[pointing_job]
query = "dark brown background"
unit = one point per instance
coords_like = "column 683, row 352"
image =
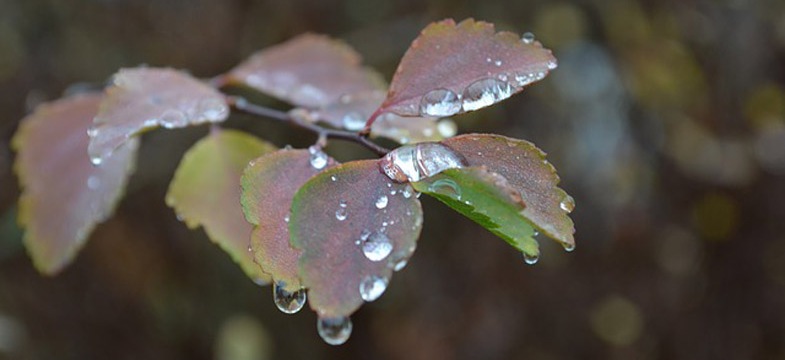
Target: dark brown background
column 665, row 119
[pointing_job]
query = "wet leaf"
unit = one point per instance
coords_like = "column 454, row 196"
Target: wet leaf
column 205, row 192
column 488, row 199
column 525, row 168
column 452, row 68
column 355, row 228
column 145, row 98
column 63, row 195
column 309, row 70
column 350, row 112
column 268, row 186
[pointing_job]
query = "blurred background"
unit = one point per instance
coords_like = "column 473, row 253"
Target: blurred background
column 665, row 119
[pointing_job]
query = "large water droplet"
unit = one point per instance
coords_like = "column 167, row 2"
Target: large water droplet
column 531, row 259
column 376, row 245
column 527, row 38
column 288, row 302
column 334, row 331
column 381, row 202
column 353, row 121
column 440, row 102
column 318, row 157
column 415, row 162
column 372, row 287
column 446, row 187
column 485, row 92
column 567, row 204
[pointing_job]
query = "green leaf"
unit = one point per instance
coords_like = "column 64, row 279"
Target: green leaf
column 353, row 225
column 488, row 199
column 268, row 186
column 206, row 191
column 63, row 195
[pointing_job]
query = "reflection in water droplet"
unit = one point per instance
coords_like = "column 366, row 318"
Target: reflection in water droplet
column 485, row 92
column 447, row 128
column 353, row 121
column 440, row 102
column 335, row 331
column 531, row 259
column 381, row 202
column 318, row 157
column 567, row 204
column 288, row 302
column 446, row 187
column 372, row 287
column 415, row 162
column 376, row 246
column 527, row 38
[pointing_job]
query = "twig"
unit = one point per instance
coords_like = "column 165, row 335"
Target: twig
column 242, row 105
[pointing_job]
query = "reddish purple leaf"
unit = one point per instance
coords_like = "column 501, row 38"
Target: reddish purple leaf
column 452, row 68
column 525, row 168
column 64, row 196
column 309, row 70
column 208, row 178
column 354, row 226
column 268, row 186
column 145, row 98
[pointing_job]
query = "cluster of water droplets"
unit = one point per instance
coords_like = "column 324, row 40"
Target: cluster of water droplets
column 334, row 330
column 411, row 163
column 288, row 302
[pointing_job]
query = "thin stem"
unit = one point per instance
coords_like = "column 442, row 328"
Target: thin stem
column 242, row 105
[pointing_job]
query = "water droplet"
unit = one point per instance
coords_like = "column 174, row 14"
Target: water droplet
column 400, row 265
column 407, row 191
column 353, row 121
column 552, row 64
column 335, row 331
column 497, row 63
column 568, row 247
column 250, row 249
column 567, row 204
column 440, row 102
column 411, row 163
column 447, row 128
column 318, row 157
column 341, row 214
column 96, row 160
column 171, row 118
column 527, row 38
column 288, row 302
column 333, row 178
column 213, row 109
column 381, row 202
column 286, row 218
column 92, row 131
column 372, row 287
column 446, row 187
column 93, row 182
column 485, row 92
column 376, row 246
column 531, row 259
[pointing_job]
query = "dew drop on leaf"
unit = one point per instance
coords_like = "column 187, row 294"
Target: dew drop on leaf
column 407, row 191
column 400, row 265
column 446, row 187
column 381, row 202
column 527, row 38
column 531, row 259
column 353, row 121
column 372, row 287
column 485, row 92
column 340, row 214
column 440, row 102
column 376, row 245
column 335, row 331
column 318, row 157
column 567, row 204
column 413, row 163
column 288, row 302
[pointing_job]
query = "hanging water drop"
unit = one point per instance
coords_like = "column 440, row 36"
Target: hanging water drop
column 568, row 247
column 567, row 204
column 412, row 163
column 288, row 302
column 318, row 157
column 381, row 202
column 376, row 246
column 531, row 259
column 334, row 331
column 527, row 38
column 485, row 92
column 372, row 287
column 353, row 121
column 439, row 103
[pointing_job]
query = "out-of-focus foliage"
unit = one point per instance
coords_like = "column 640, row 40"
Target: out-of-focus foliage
column 653, row 277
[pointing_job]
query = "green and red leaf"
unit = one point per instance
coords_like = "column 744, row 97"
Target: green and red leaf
column 205, row 192
column 63, row 195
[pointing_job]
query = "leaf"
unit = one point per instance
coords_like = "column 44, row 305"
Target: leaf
column 525, row 168
column 63, row 195
column 309, row 71
column 145, row 98
column 488, row 199
column 205, row 192
column 351, row 111
column 268, row 186
column 355, row 228
column 452, row 68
